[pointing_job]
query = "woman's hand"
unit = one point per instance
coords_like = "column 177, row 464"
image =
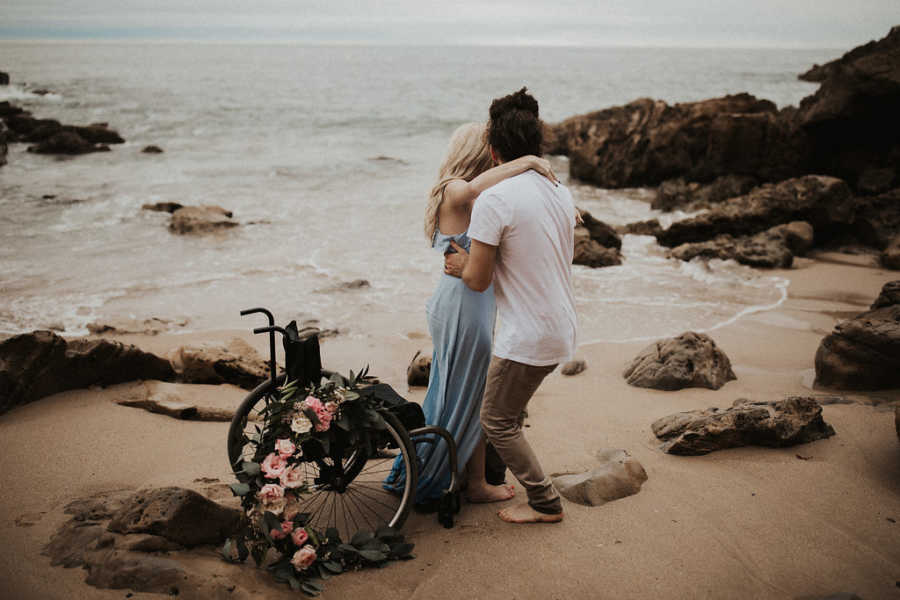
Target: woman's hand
column 542, row 167
column 455, row 262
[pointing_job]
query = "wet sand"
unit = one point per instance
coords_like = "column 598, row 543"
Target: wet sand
column 741, row 523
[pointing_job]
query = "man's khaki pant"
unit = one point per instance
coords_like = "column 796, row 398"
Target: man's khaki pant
column 510, row 385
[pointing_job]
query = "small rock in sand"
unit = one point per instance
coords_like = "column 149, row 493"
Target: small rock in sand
column 418, row 370
column 201, row 219
column 236, row 362
column 689, row 360
column 618, row 475
column 152, row 150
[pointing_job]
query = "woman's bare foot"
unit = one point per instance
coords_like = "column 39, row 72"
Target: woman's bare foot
column 484, row 492
column 523, row 513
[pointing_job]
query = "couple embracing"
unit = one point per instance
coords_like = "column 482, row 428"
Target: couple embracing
column 506, row 228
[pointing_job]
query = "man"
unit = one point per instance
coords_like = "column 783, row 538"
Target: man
column 522, row 232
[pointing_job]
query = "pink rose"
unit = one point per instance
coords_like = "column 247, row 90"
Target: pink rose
column 276, row 534
column 292, row 477
column 270, row 493
column 287, row 527
column 285, row 448
column 273, row 465
column 314, row 403
column 331, row 407
column 304, row 558
column 324, row 420
column 299, row 536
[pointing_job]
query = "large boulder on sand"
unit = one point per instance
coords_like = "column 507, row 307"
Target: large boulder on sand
column 824, row 202
column 863, row 353
column 794, row 420
column 236, row 362
column 201, row 219
column 773, row 248
column 177, row 514
column 617, row 476
column 647, row 142
column 689, row 360
column 38, row 364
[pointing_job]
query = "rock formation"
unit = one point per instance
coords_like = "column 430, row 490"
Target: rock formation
column 419, row 370
column 201, row 219
column 679, row 194
column 618, row 475
column 236, row 362
column 773, row 248
column 863, row 353
column 39, row 364
column 825, row 203
column 794, row 420
column 689, row 360
column 596, row 243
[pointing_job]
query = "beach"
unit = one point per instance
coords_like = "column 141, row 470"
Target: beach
column 797, row 522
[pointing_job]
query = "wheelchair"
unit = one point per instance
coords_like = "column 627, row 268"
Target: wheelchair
column 346, row 490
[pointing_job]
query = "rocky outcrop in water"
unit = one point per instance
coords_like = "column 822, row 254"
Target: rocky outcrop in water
column 151, row 326
column 596, row 243
column 679, row 194
column 151, row 149
column 863, row 353
column 794, row 420
column 38, row 364
column 689, row 360
column 201, row 219
column 825, row 203
column 618, row 475
column 774, row 248
column 49, row 136
column 4, row 78
column 236, row 362
column 648, row 141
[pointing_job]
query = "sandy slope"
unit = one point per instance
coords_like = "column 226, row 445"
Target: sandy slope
column 743, row 523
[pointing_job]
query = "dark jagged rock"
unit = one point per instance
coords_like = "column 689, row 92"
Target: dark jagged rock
column 863, row 353
column 689, row 360
column 824, row 202
column 236, row 362
column 168, row 207
column 617, row 476
column 4, row 78
column 678, row 194
column 876, row 181
column 890, row 257
column 38, row 364
column 851, row 121
column 177, row 514
column 97, row 133
column 877, row 219
column 201, row 219
column 794, row 420
column 600, row 232
column 774, row 248
column 67, row 142
column 651, row 227
column 647, row 142
column 596, row 243
column 152, row 150
column 890, row 295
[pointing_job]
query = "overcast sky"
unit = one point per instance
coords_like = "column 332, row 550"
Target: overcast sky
column 780, row 23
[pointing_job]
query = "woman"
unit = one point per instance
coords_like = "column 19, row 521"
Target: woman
column 460, row 321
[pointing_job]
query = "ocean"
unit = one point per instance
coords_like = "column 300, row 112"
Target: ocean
column 325, row 154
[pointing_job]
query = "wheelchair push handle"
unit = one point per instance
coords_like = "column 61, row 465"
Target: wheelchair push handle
column 271, row 329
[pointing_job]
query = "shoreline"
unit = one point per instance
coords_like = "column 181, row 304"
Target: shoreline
column 741, row 523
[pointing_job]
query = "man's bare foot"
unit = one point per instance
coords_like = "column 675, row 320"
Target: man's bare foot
column 523, row 513
column 484, row 493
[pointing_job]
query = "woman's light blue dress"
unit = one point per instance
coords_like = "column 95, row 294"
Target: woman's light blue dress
column 461, row 323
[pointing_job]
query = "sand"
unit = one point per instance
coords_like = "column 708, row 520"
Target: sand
column 741, row 523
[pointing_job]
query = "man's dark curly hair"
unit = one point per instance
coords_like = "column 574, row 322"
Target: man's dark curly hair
column 514, row 129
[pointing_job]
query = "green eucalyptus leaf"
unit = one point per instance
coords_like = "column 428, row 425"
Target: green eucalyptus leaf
column 361, row 537
column 240, row 489
column 251, row 468
column 373, row 555
column 332, row 566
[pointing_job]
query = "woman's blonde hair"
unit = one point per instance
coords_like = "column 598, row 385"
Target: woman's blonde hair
column 468, row 156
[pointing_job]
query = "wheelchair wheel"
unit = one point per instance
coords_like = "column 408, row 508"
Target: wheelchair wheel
column 346, row 493
column 246, row 417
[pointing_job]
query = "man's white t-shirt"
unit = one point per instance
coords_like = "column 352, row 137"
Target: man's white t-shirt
column 532, row 222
